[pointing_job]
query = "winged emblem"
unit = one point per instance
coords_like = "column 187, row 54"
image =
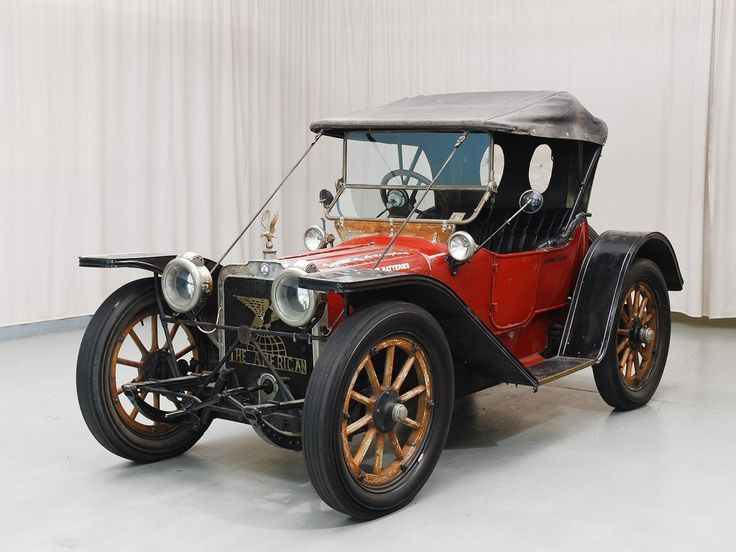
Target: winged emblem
column 269, row 226
column 260, row 307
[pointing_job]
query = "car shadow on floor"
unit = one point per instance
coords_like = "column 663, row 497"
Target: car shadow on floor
column 489, row 417
column 233, row 465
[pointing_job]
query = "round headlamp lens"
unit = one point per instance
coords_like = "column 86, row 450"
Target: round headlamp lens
column 294, row 305
column 461, row 246
column 314, row 238
column 186, row 282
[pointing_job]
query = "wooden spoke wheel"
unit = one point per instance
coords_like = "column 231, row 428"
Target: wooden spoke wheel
column 140, row 354
column 636, row 335
column 632, row 367
column 124, row 343
column 383, row 431
column 377, row 409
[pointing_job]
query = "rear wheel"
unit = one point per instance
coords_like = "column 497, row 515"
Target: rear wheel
column 377, row 409
column 629, row 374
column 125, row 343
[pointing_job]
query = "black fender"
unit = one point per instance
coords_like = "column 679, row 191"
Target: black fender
column 147, row 261
column 480, row 359
column 153, row 262
column 594, row 304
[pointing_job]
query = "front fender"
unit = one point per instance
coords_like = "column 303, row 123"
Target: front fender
column 153, row 262
column 480, row 359
column 593, row 310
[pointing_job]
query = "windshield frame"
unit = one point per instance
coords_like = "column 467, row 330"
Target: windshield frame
column 487, row 189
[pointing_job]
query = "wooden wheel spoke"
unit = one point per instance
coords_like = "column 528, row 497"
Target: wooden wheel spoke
column 399, row 381
column 362, row 399
column 395, row 445
column 157, row 401
column 411, row 423
column 418, row 390
column 355, row 426
column 388, row 368
column 625, row 357
column 364, row 446
column 643, row 306
column 622, row 331
column 138, row 342
column 127, row 362
column 621, row 345
column 184, row 351
column 646, row 318
column 372, row 377
column 378, row 458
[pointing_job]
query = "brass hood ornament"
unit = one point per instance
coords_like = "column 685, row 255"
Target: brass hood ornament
column 269, row 226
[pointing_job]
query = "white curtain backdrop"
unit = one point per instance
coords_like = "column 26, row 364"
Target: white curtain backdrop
column 161, row 125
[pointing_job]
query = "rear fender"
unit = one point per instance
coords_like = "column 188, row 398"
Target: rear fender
column 594, row 306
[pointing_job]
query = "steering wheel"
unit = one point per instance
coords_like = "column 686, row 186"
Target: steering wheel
column 405, row 206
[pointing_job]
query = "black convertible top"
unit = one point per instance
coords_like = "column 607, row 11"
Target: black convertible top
column 536, row 113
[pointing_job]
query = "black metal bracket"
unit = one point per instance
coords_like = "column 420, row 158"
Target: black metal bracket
column 454, row 265
column 171, row 358
column 220, row 401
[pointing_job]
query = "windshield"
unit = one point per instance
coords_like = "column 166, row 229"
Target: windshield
column 386, row 174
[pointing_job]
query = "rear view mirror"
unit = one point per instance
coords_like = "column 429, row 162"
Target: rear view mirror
column 325, row 198
column 531, row 201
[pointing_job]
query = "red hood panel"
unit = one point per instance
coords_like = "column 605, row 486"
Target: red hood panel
column 404, row 256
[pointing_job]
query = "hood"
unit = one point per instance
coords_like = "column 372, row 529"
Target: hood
column 406, row 255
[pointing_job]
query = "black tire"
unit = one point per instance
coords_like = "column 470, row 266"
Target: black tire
column 619, row 389
column 337, row 373
column 100, row 405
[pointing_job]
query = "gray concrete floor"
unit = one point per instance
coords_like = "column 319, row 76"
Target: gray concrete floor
column 556, row 470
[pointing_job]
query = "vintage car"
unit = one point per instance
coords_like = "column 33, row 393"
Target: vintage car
column 465, row 260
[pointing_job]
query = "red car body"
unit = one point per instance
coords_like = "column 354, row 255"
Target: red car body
column 518, row 296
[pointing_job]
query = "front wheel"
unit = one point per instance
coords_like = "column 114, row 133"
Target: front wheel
column 125, row 343
column 633, row 365
column 377, row 409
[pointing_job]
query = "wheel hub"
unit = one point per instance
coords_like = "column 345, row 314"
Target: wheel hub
column 387, row 409
column 639, row 334
column 156, row 366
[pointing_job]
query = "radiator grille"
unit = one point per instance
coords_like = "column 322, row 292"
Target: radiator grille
column 247, row 300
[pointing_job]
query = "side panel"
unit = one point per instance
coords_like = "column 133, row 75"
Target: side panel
column 514, row 289
column 595, row 301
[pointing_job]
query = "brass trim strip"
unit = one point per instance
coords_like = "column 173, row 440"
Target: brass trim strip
column 588, row 363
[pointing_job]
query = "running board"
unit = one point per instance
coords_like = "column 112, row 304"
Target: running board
column 558, row 366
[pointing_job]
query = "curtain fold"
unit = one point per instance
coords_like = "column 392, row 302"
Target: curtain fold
column 719, row 267
column 138, row 125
